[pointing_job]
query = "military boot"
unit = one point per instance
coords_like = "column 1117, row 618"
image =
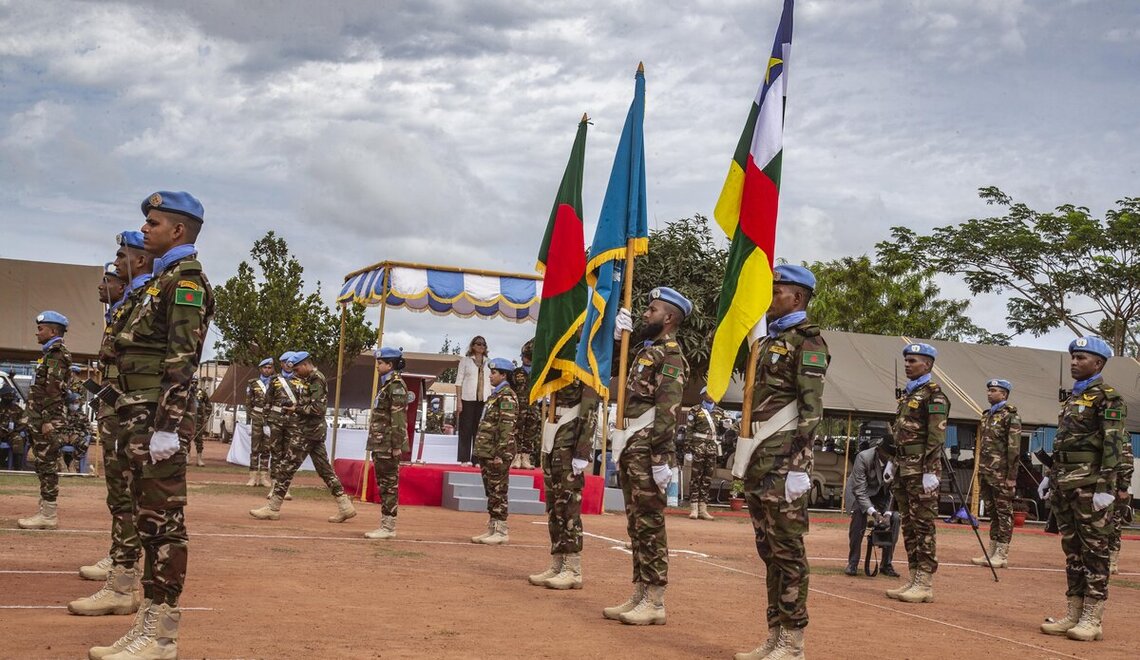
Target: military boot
column 158, row 637
column 482, row 537
column 254, row 479
column 526, row 463
column 265, row 480
column 517, row 462
column 119, row 595
column 570, row 577
column 1088, row 628
column 45, row 518
column 894, row 593
column 1113, row 562
column 271, row 511
column 650, row 611
column 201, row 463
column 992, row 552
column 1001, row 560
column 499, row 535
column 288, row 494
column 694, row 511
column 100, row 652
column 344, row 510
column 1072, row 618
column 539, row 579
column 617, row 610
column 97, row 571
column 922, row 591
column 703, row 512
column 387, row 529
column 762, row 651
column 790, row 645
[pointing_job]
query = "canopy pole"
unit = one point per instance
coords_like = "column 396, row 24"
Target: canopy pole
column 846, row 449
column 623, row 358
column 600, row 467
column 423, row 421
column 339, row 378
column 975, row 491
column 375, row 382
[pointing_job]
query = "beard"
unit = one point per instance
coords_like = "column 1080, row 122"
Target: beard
column 648, row 331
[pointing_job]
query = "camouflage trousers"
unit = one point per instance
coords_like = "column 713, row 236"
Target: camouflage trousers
column 18, row 451
column 126, row 548
column 999, row 505
column 280, row 439
column 700, row 475
column 780, row 527
column 1118, row 512
column 645, row 518
column 158, row 491
column 1085, row 535
column 563, row 502
column 258, row 446
column 496, row 483
column 307, row 445
column 46, row 448
column 199, row 440
column 387, row 481
column 918, row 511
column 528, row 431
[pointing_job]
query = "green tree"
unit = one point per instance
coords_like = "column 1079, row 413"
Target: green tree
column 265, row 312
column 1064, row 268
column 449, row 348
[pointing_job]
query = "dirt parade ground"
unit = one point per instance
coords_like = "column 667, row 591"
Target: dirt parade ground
column 303, row 588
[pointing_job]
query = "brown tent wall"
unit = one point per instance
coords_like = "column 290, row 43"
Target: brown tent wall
column 30, row 287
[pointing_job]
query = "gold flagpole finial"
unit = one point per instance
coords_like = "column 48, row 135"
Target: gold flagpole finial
column 641, row 67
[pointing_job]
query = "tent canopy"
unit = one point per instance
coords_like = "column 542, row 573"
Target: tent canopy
column 31, row 287
column 444, row 290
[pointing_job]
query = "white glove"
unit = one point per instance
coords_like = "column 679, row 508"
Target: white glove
column 796, row 484
column 1101, row 501
column 163, row 445
column 871, row 511
column 1043, row 488
column 889, row 471
column 578, row 465
column 929, row 483
column 662, row 474
column 624, row 322
column 265, row 430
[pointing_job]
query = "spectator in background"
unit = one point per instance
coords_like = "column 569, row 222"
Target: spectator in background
column 474, row 383
column 868, row 497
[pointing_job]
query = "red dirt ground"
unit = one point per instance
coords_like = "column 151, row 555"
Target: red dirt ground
column 303, row 588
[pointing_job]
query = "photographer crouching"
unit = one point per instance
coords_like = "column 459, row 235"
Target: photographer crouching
column 868, row 497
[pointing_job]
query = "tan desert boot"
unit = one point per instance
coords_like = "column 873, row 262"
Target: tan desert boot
column 481, row 537
column 499, row 535
column 1088, row 629
column 650, row 611
column 790, row 645
column 158, row 638
column 97, row 571
column 254, row 477
column 703, row 512
column 570, row 577
column 1075, row 607
column 100, row 652
column 271, row 511
column 539, row 579
column 119, row 595
column 387, row 529
column 694, row 511
column 344, row 510
column 894, row 593
column 923, row 589
column 45, row 518
column 992, row 552
column 762, row 651
column 636, row 597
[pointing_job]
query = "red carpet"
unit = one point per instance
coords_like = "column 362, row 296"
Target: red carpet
column 422, row 484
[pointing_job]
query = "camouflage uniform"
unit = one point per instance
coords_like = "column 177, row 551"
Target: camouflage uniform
column 434, row 423
column 528, row 426
column 495, row 439
column 158, row 351
column 76, row 434
column 791, row 370
column 282, row 420
column 46, row 404
column 656, row 380
column 14, row 430
column 997, row 465
column 1123, row 482
column 1086, row 460
column 201, row 419
column 920, row 433
column 388, row 440
column 574, row 439
column 309, row 440
column 256, row 398
column 701, row 442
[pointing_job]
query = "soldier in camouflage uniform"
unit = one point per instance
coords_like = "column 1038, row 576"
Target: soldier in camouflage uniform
column 1082, row 486
column 567, row 447
column 645, row 449
column 528, row 427
column 705, row 422
column 14, row 428
column 47, row 415
column 76, row 434
column 257, row 404
column 920, row 433
column 1121, row 511
column 201, row 421
column 997, row 469
column 434, row 421
column 388, row 437
column 157, row 353
column 787, row 404
column 495, row 449
column 282, row 402
column 309, row 442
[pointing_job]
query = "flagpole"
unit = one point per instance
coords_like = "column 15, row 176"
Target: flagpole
column 375, row 380
column 339, row 377
column 749, row 385
column 623, row 358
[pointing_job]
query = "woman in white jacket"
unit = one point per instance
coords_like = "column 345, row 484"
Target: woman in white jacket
column 474, row 383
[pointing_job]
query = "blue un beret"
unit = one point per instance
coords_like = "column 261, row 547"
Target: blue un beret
column 673, row 297
column 182, row 203
column 387, row 353
column 921, row 349
column 501, row 364
column 52, row 317
column 266, row 362
column 1000, row 382
column 299, row 357
column 286, row 357
column 131, row 239
column 109, row 271
column 1090, row 344
column 793, row 274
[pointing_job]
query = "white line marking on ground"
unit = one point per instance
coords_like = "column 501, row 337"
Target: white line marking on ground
column 64, row 607
column 1051, row 652
column 42, row 572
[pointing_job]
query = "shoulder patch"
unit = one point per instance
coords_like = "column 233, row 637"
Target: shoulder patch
column 937, row 408
column 779, row 350
column 189, row 285
column 671, row 371
column 187, row 296
column 912, row 404
column 814, row 359
column 1114, row 414
column 152, row 291
column 670, row 344
column 507, row 404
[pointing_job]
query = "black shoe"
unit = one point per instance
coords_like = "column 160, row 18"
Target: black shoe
column 851, row 570
column 889, row 571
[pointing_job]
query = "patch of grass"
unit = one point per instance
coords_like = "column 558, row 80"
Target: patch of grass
column 285, row 551
column 826, row 570
column 392, row 553
column 1127, row 584
column 298, row 492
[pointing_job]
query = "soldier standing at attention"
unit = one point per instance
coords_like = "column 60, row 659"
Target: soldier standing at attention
column 645, row 450
column 434, row 423
column 997, row 469
column 14, row 428
column 47, row 415
column 495, row 449
column 1123, row 498
column 201, row 421
column 388, row 437
column 1082, row 486
column 256, row 401
column 920, row 435
column 158, row 352
column 528, row 428
column 309, row 442
column 701, row 442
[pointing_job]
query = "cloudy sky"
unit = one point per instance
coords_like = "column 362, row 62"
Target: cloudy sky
column 437, row 131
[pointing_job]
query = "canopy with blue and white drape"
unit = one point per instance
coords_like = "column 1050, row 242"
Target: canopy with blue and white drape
column 444, row 291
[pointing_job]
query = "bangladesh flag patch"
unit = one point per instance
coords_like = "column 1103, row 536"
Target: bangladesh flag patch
column 188, row 297
column 671, row 371
column 936, row 408
column 814, row 359
column 1113, row 414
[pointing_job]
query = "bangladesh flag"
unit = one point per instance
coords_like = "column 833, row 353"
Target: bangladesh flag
column 746, row 211
column 562, row 261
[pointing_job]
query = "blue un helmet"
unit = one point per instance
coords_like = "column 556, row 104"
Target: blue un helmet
column 1090, row 344
column 52, row 317
column 502, row 365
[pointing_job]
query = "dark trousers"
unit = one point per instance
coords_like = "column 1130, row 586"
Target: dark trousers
column 468, row 424
column 857, row 535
